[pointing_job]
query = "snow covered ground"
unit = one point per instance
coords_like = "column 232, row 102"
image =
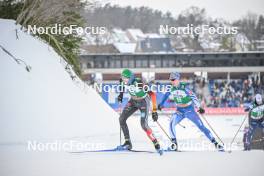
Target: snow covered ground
column 14, row 162
column 46, row 106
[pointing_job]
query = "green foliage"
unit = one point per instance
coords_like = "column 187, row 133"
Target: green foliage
column 67, row 45
column 49, row 13
column 9, row 9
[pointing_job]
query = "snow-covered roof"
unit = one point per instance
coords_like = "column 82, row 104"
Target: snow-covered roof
column 135, row 34
column 153, row 35
column 120, row 36
column 125, row 47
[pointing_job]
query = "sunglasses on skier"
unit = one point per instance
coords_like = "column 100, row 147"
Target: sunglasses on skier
column 125, row 79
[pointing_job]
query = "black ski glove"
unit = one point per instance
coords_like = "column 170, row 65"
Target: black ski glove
column 155, row 116
column 201, row 110
column 246, row 109
column 160, row 107
column 120, row 98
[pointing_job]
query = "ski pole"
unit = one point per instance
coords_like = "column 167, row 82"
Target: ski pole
column 181, row 125
column 120, row 140
column 163, row 130
column 212, row 129
column 178, row 123
column 237, row 132
column 120, row 135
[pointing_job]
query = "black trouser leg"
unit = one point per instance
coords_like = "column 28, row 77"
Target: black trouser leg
column 127, row 112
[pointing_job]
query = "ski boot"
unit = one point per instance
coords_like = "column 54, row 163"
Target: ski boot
column 247, row 147
column 218, row 146
column 126, row 146
column 174, row 145
column 157, row 146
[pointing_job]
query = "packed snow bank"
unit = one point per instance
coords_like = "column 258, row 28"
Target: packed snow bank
column 45, row 103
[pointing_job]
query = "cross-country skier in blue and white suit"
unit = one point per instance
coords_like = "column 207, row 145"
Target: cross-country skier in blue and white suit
column 185, row 101
column 256, row 119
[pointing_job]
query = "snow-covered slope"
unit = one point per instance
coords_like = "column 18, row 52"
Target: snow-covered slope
column 45, row 103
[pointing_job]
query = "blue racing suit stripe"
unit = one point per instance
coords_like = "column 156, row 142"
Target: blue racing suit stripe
column 176, row 118
column 193, row 97
column 165, row 97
